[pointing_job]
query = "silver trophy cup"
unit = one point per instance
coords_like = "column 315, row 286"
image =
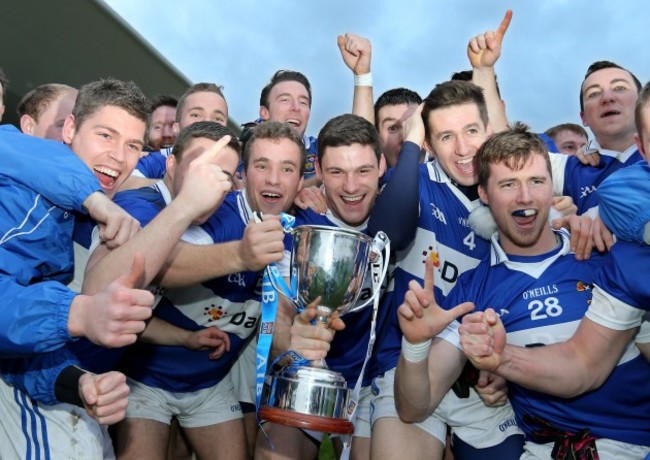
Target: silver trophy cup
column 330, row 263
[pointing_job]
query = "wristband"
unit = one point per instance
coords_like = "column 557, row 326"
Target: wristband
column 363, row 80
column 66, row 387
column 415, row 352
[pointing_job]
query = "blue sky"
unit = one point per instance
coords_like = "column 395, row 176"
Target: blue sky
column 416, row 44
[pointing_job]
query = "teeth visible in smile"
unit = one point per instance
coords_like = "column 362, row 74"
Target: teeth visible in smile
column 107, row 171
column 465, row 161
column 352, row 199
column 293, row 122
column 270, row 195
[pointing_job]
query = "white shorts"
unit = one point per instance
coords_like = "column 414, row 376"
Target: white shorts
column 210, row 406
column 383, row 405
column 243, row 373
column 607, row 448
column 475, row 423
column 32, row 430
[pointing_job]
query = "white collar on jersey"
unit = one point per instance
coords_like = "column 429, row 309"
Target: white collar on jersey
column 164, row 191
column 339, row 223
column 621, row 156
column 498, row 255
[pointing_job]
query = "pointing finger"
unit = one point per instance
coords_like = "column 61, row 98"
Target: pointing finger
column 505, row 23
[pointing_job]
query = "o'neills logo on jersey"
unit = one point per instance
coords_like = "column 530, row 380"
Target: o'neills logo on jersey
column 539, row 292
column 438, row 214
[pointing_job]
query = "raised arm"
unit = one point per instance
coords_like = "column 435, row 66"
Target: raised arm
column 483, row 52
column 203, row 190
column 356, row 52
column 396, row 210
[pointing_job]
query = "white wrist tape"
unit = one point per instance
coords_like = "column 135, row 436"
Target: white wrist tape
column 415, row 352
column 363, row 80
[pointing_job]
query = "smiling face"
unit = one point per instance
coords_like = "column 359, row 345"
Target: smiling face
column 161, row 133
column 609, row 96
column 109, row 142
column 519, row 201
column 273, row 178
column 350, row 175
column 288, row 102
column 455, row 134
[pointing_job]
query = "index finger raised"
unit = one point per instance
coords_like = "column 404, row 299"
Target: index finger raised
column 212, row 152
column 505, row 23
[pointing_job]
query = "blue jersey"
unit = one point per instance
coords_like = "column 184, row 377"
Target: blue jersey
column 443, row 236
column 624, row 275
column 153, row 166
column 311, row 145
column 231, row 303
column 541, row 300
column 580, row 181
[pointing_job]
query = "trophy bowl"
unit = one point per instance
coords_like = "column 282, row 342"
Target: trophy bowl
column 329, row 263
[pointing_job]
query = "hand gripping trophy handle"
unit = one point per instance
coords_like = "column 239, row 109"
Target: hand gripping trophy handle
column 329, row 263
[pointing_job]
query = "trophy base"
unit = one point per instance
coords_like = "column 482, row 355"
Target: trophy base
column 306, row 421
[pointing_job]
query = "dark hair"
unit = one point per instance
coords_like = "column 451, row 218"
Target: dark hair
column 163, row 100
column 4, row 81
column 197, row 88
column 36, row 101
column 101, row 93
column 572, row 127
column 203, row 129
column 466, row 75
column 279, row 77
column 514, row 147
column 396, row 96
column 348, row 129
column 641, row 104
column 451, row 93
column 274, row 130
column 600, row 65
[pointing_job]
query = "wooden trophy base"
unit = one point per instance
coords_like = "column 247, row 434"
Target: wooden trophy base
column 305, row 421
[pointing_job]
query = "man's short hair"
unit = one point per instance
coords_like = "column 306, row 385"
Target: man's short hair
column 101, row 93
column 600, row 65
column 163, row 100
column 345, row 130
column 513, row 147
column 203, row 129
column 279, row 77
column 4, row 81
column 396, row 96
column 572, row 127
column 641, row 104
column 36, row 101
column 202, row 87
column 467, row 75
column 274, row 131
column 451, row 93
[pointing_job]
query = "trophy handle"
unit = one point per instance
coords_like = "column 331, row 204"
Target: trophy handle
column 280, row 286
column 380, row 250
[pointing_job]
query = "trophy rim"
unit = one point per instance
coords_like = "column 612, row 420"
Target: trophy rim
column 329, row 229
column 306, row 421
